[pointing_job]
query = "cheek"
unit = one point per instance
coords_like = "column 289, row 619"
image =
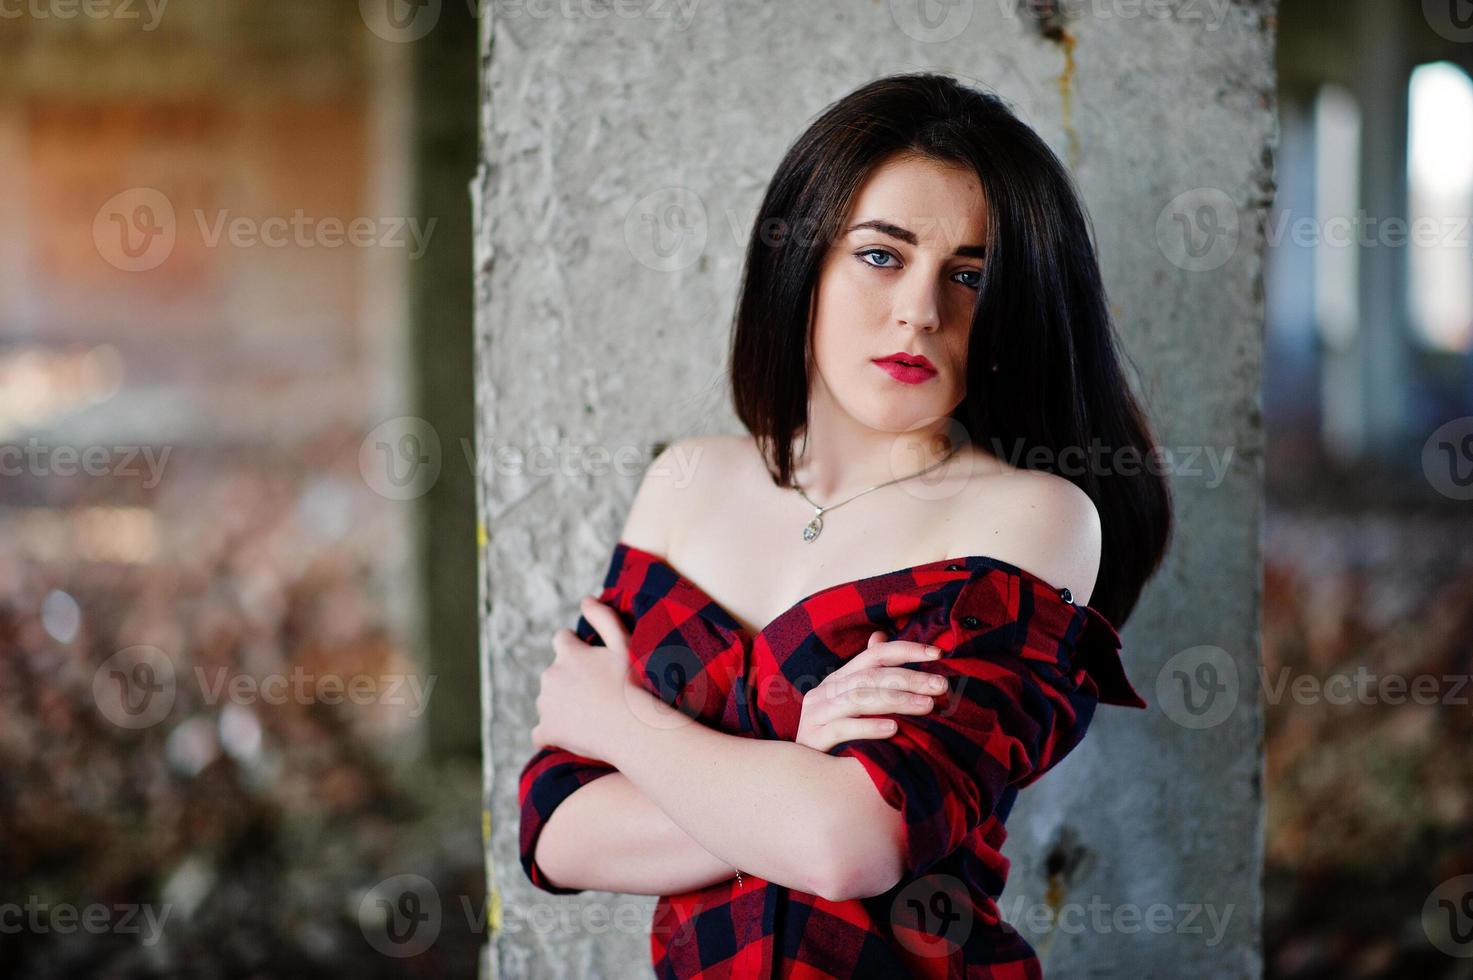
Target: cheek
column 844, row 311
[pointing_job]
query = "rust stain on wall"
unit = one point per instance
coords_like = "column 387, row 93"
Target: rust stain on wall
column 1053, row 26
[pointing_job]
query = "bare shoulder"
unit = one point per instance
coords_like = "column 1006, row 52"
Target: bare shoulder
column 673, row 484
column 1042, row 523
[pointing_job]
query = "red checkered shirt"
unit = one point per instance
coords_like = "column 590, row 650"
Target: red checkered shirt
column 1026, row 667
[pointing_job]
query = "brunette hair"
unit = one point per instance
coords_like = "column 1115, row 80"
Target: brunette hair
column 1041, row 310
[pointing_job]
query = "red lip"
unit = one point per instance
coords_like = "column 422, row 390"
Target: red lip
column 909, row 368
column 919, row 360
column 916, row 360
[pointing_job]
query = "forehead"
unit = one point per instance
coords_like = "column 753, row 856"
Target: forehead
column 941, row 202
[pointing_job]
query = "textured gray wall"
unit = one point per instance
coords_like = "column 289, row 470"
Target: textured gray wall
column 625, row 151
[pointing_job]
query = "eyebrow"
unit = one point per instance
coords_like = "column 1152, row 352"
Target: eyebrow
column 909, row 237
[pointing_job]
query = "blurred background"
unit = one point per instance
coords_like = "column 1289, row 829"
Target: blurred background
column 238, row 642
column 238, row 670
column 1368, row 539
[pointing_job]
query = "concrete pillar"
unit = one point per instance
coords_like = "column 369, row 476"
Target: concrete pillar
column 625, row 151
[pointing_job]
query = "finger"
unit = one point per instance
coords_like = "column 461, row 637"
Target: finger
column 872, row 701
column 851, row 728
column 904, row 679
column 565, row 640
column 603, row 619
column 898, row 679
column 893, row 652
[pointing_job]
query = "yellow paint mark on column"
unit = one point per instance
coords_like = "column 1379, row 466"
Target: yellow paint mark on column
column 481, row 536
column 493, row 905
column 1066, row 84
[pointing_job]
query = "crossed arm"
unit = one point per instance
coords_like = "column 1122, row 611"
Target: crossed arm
column 689, row 804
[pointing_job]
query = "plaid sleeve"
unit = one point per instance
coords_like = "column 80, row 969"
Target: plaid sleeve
column 553, row 774
column 1025, row 670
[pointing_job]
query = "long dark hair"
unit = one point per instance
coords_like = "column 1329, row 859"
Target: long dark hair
column 1041, row 311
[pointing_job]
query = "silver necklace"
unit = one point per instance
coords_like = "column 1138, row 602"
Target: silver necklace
column 813, row 528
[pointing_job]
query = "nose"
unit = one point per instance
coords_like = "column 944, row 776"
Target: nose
column 916, row 305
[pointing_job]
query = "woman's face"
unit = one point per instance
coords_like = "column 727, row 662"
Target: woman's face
column 901, row 278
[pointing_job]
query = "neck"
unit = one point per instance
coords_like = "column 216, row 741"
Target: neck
column 843, row 457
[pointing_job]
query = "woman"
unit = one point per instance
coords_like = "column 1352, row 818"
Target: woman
column 818, row 788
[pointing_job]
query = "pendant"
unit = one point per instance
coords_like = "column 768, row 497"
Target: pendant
column 812, row 528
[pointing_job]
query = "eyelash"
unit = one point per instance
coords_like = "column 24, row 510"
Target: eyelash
column 870, row 251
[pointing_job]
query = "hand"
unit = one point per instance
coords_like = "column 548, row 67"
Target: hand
column 587, row 690
column 871, row 683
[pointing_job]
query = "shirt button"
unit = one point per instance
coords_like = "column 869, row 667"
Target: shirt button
column 1066, row 595
column 971, row 622
column 953, row 567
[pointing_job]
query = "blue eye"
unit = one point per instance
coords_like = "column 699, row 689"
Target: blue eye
column 875, row 251
column 973, row 284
